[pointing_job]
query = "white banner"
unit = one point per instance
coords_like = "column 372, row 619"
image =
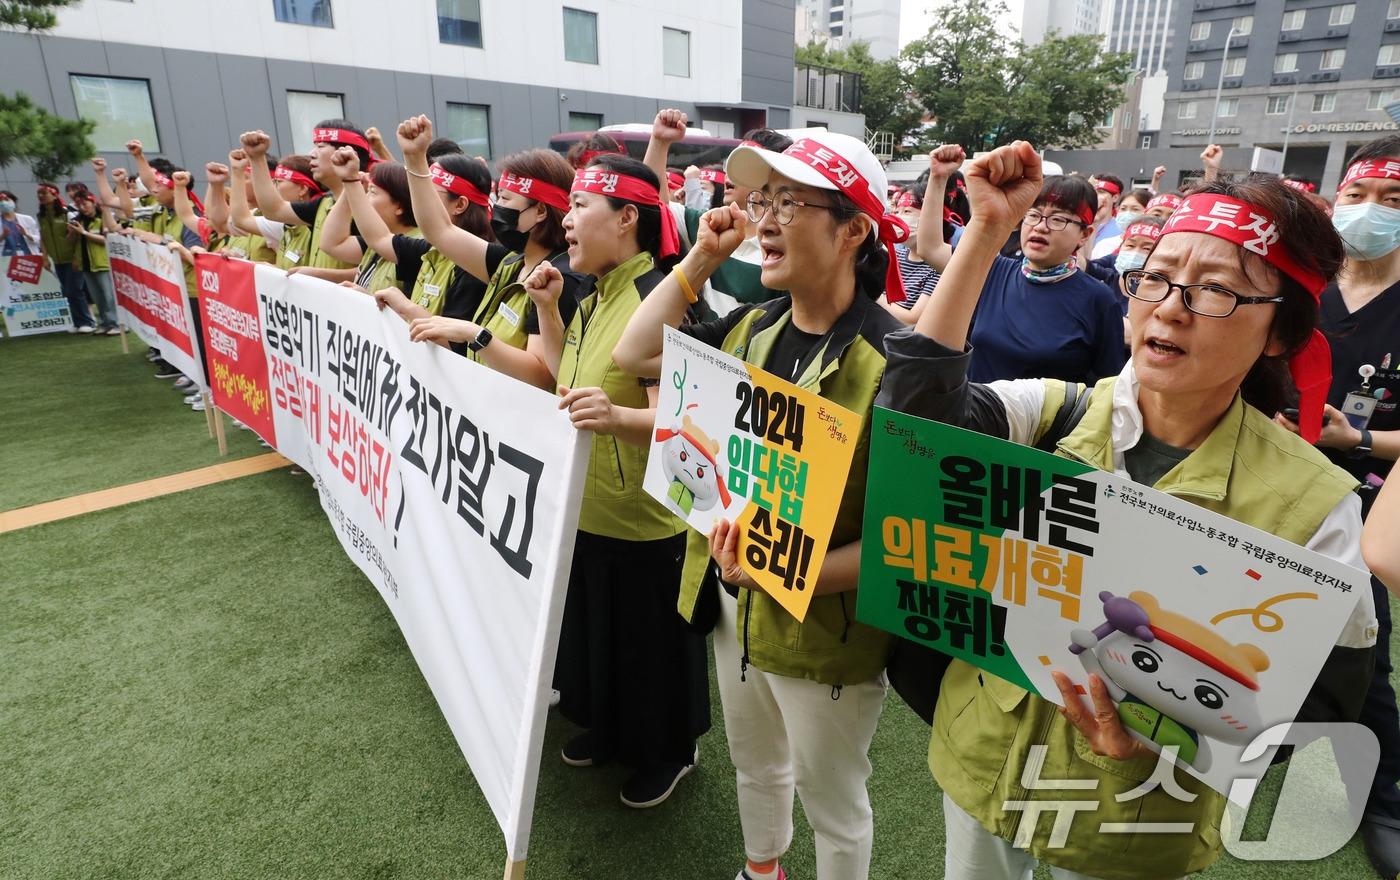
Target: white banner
column 33, row 298
column 149, row 284
column 456, row 490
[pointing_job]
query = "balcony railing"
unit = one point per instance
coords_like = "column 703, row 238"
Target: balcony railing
column 825, row 88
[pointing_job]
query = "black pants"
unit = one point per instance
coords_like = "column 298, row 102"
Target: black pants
column 628, row 668
column 1379, row 713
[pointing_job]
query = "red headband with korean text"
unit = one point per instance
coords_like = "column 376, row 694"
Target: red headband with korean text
column 1113, row 188
column 713, row 175
column 1146, row 230
column 1299, row 185
column 587, row 156
column 170, row 185
column 1383, row 169
column 1255, row 230
column 631, row 189
column 534, row 188
column 458, row 186
column 852, row 184
column 1166, row 200
column 345, row 138
column 282, row 172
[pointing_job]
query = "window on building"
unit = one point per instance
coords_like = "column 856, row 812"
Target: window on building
column 1393, row 10
column 1277, row 105
column 675, row 51
column 120, row 107
column 1195, row 69
column 316, row 13
column 1377, row 100
column 837, row 30
column 1293, row 21
column 1186, row 110
column 585, row 121
column 1146, row 142
column 305, row 109
column 1127, row 120
column 1286, row 63
column 1234, row 67
column 1390, row 54
column 1108, row 120
column 470, row 126
column 1324, row 103
column 459, row 22
column 1200, row 30
column 1243, row 26
column 837, row 15
column 1228, row 107
column 1340, row 15
column 580, row 36
column 1333, row 59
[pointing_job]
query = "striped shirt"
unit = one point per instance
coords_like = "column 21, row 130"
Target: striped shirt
column 919, row 277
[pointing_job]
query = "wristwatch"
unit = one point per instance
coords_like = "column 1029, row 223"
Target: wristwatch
column 483, row 339
column 1362, row 449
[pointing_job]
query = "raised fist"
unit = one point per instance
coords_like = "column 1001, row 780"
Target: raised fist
column 255, row 143
column 346, row 164
column 1003, row 184
column 415, row 134
column 943, row 161
column 119, row 175
column 544, row 285
column 217, row 172
column 669, row 126
column 133, row 147
column 99, row 164
column 180, row 179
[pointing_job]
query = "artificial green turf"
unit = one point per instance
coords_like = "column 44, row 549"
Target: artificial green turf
column 79, row 416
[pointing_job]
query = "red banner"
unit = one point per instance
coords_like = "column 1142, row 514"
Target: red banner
column 233, row 342
column 154, row 301
column 26, row 269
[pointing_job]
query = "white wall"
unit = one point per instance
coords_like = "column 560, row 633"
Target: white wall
column 852, row 124
column 402, row 35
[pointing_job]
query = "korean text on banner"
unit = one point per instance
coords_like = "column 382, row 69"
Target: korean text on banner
column 149, row 283
column 233, row 342
column 33, row 299
column 1206, row 631
column 737, row 443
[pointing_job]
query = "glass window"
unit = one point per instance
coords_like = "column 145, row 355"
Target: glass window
column 1333, row 59
column 459, row 22
column 122, row 110
column 1108, row 120
column 1243, row 26
column 470, row 126
column 1147, row 142
column 1390, row 54
column 1393, row 10
column 1186, row 110
column 1195, row 69
column 1377, row 100
column 1324, row 103
column 580, row 36
column 1286, row 63
column 1277, row 105
column 675, row 51
column 1234, row 67
column 1200, row 30
column 585, row 121
column 836, row 31
column 1228, row 106
column 316, row 13
column 1293, row 21
column 1340, row 15
column 305, row 109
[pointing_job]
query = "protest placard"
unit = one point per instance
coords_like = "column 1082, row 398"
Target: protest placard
column 33, row 298
column 149, row 284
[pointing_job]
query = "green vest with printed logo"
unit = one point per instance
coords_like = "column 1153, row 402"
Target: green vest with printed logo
column 984, row 727
column 829, row 646
column 317, row 258
column 434, row 276
column 506, row 305
column 384, row 272
column 167, row 222
column 292, row 250
column 53, row 232
column 97, row 260
column 614, row 503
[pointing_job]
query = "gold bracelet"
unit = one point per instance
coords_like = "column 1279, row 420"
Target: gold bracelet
column 686, row 289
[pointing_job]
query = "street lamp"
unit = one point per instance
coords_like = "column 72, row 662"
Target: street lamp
column 1220, row 83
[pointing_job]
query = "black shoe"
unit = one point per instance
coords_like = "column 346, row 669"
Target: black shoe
column 578, row 752
column 651, row 786
column 167, row 373
column 1382, row 843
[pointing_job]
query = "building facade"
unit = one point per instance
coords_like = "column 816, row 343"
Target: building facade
column 1068, row 17
column 1310, row 78
column 188, row 76
column 842, row 22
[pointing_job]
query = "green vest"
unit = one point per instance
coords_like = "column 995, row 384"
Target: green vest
column 829, row 646
column 1248, row 469
column 317, row 258
column 96, row 250
column 434, row 275
column 385, row 273
column 53, row 232
column 250, row 247
column 614, row 503
column 293, row 250
column 506, row 305
column 167, row 222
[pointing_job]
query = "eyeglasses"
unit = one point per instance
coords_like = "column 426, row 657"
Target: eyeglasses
column 1056, row 222
column 784, row 207
column 1203, row 299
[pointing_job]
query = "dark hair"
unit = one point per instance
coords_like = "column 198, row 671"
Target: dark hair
column 1142, row 195
column 57, row 207
column 769, row 139
column 1308, row 235
column 476, row 219
column 393, row 179
column 648, row 216
column 1069, row 193
column 717, row 197
column 1387, row 147
column 872, row 260
column 546, row 166
column 163, row 165
column 595, row 141
column 14, row 198
column 443, row 147
column 347, row 125
column 271, row 160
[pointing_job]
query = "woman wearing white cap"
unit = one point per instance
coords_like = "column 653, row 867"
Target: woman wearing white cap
column 801, row 699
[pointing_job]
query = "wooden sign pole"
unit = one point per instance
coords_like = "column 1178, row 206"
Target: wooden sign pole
column 208, row 411
column 515, row 870
column 126, row 349
column 219, row 430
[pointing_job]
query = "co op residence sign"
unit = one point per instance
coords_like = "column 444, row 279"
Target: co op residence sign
column 1340, row 127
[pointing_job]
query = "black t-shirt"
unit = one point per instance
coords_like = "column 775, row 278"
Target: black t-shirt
column 790, row 351
column 1370, row 335
column 464, row 291
column 576, row 287
column 306, row 211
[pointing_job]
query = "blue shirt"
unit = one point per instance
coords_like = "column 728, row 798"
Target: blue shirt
column 12, row 241
column 1071, row 329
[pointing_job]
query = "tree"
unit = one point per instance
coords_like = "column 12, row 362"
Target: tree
column 985, row 90
column 884, row 89
column 31, row 15
column 51, row 145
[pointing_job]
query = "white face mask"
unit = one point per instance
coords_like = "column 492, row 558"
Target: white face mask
column 7, row 207
column 1127, row 261
column 1369, row 231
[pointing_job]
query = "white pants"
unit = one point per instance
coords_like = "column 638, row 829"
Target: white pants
column 788, row 733
column 974, row 853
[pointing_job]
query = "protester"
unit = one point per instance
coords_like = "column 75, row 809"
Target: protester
column 919, row 277
column 801, row 699
column 1106, row 232
column 1139, row 240
column 1163, row 204
column 19, row 233
column 88, row 231
column 584, row 151
column 386, row 195
column 1131, row 207
column 293, row 181
column 60, row 253
column 1190, row 415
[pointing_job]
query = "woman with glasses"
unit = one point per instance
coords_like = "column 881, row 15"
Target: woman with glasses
column 1039, row 315
column 801, row 699
column 1224, row 310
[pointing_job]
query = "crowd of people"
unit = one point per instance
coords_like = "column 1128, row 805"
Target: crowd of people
column 1247, row 367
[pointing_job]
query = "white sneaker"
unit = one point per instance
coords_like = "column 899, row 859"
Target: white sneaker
column 88, row 329
column 184, row 382
column 553, row 697
column 197, row 406
column 191, row 398
column 114, row 331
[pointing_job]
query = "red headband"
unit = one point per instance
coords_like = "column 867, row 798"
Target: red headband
column 1252, row 228
column 1083, row 212
column 713, row 175
column 755, row 144
column 345, row 138
column 1113, row 188
column 282, row 172
column 533, row 188
column 906, row 200
column 1385, row 169
column 1168, row 200
column 458, row 186
column 587, row 156
column 1299, row 185
column 851, row 183
column 1144, row 229
column 631, row 189
column 170, row 185
column 675, row 179
column 58, row 194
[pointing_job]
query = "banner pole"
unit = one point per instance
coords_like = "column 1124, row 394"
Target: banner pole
column 208, row 411
column 219, row 430
column 126, row 349
column 515, row 870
